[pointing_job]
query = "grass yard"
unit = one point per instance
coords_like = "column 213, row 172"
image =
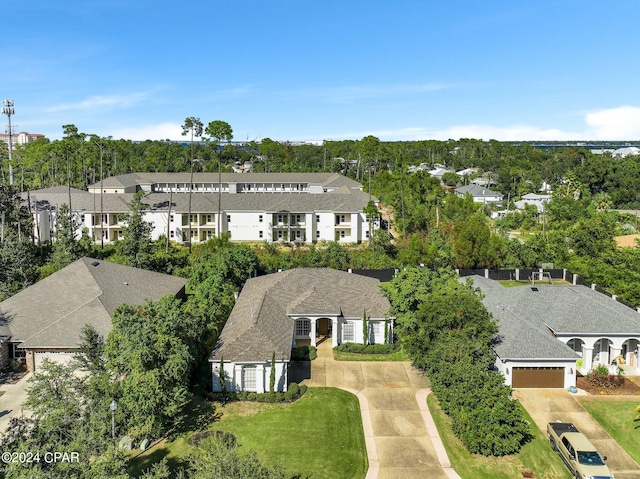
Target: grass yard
column 319, row 435
column 616, row 417
column 536, row 456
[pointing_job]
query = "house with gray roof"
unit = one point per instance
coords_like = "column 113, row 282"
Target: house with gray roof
column 544, row 330
column 480, row 194
column 272, row 207
column 45, row 320
column 298, row 307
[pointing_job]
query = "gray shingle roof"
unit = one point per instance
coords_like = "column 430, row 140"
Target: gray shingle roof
column 528, row 320
column 260, row 323
column 329, row 180
column 477, row 191
column 340, row 200
column 52, row 312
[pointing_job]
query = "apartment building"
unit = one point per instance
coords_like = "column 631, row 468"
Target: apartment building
column 272, row 207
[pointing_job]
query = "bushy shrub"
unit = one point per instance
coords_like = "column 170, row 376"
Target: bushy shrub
column 293, row 392
column 599, row 376
column 358, row 348
column 304, row 353
column 484, row 416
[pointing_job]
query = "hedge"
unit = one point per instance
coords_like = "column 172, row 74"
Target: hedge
column 358, row 348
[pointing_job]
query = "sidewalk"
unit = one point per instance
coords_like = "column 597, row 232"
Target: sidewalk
column 400, row 437
column 12, row 399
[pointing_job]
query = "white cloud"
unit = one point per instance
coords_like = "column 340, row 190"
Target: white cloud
column 97, row 102
column 160, row 131
column 622, row 123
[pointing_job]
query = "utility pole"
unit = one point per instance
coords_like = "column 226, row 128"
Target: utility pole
column 8, row 110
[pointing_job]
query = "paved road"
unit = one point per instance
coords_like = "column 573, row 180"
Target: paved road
column 11, row 401
column 550, row 405
column 401, row 440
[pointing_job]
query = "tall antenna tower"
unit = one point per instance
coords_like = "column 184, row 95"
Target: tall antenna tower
column 8, row 110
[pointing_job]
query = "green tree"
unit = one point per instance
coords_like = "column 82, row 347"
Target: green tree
column 148, row 351
column 135, row 245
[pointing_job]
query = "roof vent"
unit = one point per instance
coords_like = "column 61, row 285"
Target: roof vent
column 534, row 288
column 95, row 263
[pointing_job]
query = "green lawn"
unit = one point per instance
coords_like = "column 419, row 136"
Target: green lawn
column 616, row 417
column 536, row 456
column 319, row 435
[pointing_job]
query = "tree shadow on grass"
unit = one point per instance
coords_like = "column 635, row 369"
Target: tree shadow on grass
column 143, row 461
column 197, row 415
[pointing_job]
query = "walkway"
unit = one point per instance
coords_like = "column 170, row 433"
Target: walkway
column 401, row 439
column 12, row 399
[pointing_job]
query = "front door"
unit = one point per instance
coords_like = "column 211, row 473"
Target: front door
column 323, row 327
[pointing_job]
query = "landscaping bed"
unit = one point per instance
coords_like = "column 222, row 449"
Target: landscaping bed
column 628, row 388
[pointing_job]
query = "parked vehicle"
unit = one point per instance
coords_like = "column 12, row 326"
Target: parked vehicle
column 577, row 452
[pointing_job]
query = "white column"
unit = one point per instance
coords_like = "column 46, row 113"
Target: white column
column 335, row 332
column 236, row 380
column 313, row 331
column 260, row 378
column 615, row 352
column 587, row 358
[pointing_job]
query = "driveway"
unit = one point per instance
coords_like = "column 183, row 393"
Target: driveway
column 550, row 405
column 401, row 440
column 12, row 399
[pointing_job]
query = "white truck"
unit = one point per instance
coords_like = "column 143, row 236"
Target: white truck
column 577, row 452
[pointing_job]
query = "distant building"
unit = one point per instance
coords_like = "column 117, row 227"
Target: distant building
column 533, row 199
column 21, row 138
column 480, row 194
column 271, row 207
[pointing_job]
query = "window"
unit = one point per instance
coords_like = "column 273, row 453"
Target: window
column 209, row 235
column 367, row 234
column 260, row 234
column 343, row 234
column 170, row 219
column 280, row 219
column 172, row 234
column 298, row 218
column 249, row 378
column 280, row 234
column 298, row 234
column 348, row 333
column 317, row 218
column 259, row 218
column 303, row 327
column 228, row 218
column 192, row 218
column 317, row 234
column 209, row 218
column 340, row 219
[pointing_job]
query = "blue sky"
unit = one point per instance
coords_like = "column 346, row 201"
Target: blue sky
column 317, row 70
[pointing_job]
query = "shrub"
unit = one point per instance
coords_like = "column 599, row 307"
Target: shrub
column 368, row 349
column 304, row 353
column 599, row 376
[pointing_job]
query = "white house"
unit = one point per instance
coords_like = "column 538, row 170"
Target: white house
column 298, row 307
column 295, row 207
column 480, row 194
column 545, row 330
column 533, row 199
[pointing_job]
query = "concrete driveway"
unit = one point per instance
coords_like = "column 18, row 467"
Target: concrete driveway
column 12, row 399
column 401, row 440
column 550, row 405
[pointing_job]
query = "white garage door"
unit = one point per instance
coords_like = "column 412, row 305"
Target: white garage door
column 54, row 356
